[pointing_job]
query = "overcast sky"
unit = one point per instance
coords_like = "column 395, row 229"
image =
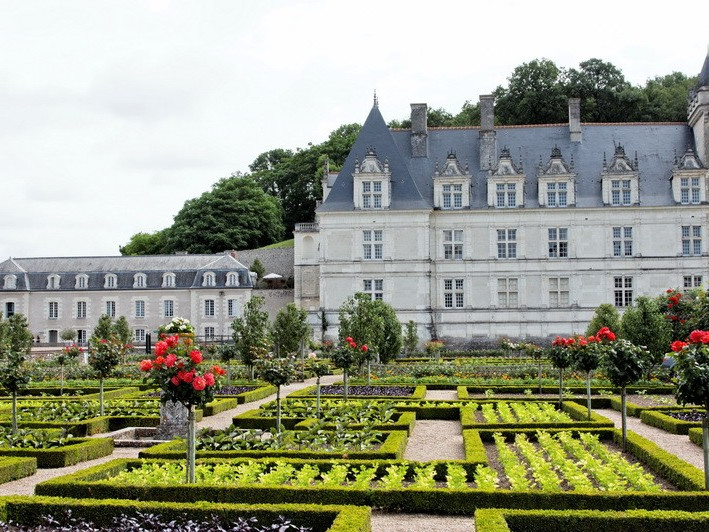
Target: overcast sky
column 112, row 114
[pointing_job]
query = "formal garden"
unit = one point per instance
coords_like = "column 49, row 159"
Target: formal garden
column 276, row 432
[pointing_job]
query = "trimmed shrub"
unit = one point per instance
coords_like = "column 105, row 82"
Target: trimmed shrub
column 79, row 450
column 14, row 467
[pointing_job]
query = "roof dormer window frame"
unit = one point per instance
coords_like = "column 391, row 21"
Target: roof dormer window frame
column 110, row 280
column 371, row 183
column 232, row 279
column 10, row 282
column 81, row 281
column 168, row 280
column 209, row 279
column 54, row 281
column 140, row 280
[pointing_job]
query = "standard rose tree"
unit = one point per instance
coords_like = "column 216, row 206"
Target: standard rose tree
column 176, row 369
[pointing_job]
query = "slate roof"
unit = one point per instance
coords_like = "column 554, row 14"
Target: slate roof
column 703, row 80
column 188, row 269
column 656, row 144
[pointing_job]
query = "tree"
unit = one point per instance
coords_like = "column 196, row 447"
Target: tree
column 289, row 330
column 586, row 357
column 250, row 332
column 277, row 372
column 665, row 98
column 359, row 320
column 534, row 95
column 606, row 315
column 387, row 339
column 235, row 214
column 146, row 244
column 104, row 355
column 624, row 363
column 15, row 345
column 227, row 353
column 411, row 337
column 68, row 335
column 644, row 324
column 103, row 328
column 559, row 354
column 122, row 330
column 692, row 369
column 258, row 268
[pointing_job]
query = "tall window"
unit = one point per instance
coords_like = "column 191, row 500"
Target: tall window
column 623, row 291
column 232, row 279
column 9, row 309
column 168, row 307
column 10, row 282
column 689, row 190
column 558, row 242
column 208, row 279
column 692, row 281
column 622, row 241
column 81, row 336
column 371, row 194
column 691, row 240
column 507, row 243
column 453, row 244
column 209, row 333
column 506, row 194
column 507, row 292
column 139, row 280
column 53, row 282
column 209, row 307
column 373, row 246
column 111, row 309
column 82, row 281
column 232, row 308
column 453, row 293
column 53, row 310
column 168, row 280
column 109, row 281
column 558, row 291
column 139, row 336
column 375, row 288
column 452, row 196
column 81, row 310
column 140, row 308
column 620, row 192
column 557, row 194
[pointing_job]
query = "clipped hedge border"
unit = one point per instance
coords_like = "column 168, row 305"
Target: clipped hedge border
column 418, row 394
column 219, row 405
column 331, row 518
column 504, row 520
column 579, row 389
column 695, row 436
column 634, row 410
column 80, row 450
column 14, row 467
column 660, row 420
column 475, row 452
column 391, row 449
column 254, row 419
column 578, row 413
column 254, row 395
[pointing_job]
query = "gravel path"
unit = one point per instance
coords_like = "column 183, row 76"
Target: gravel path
column 674, row 443
column 446, row 395
column 434, row 439
column 386, row 522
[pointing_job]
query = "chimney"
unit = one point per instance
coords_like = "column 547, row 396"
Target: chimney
column 487, row 133
column 575, row 119
column 325, row 179
column 231, row 253
column 419, row 130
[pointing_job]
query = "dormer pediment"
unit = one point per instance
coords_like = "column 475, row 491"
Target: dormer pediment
column 620, row 163
column 620, row 179
column 371, row 164
column 556, row 165
column 372, row 182
column 689, row 161
column 452, row 168
column 506, row 166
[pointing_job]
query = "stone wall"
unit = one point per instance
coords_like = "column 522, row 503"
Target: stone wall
column 274, row 300
column 278, row 260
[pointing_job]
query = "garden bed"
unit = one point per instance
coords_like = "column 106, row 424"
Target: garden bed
column 364, row 392
column 443, row 499
column 75, row 451
column 529, row 414
column 672, row 421
column 342, row 518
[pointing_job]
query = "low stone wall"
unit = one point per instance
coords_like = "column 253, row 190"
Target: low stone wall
column 274, row 300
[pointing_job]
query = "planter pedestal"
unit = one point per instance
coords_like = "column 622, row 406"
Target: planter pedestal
column 173, row 421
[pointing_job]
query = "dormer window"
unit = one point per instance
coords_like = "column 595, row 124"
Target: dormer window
column 10, row 282
column 372, row 182
column 53, row 282
column 505, row 184
column 110, row 280
column 168, row 280
column 209, row 279
column 232, row 279
column 81, row 281
column 689, row 180
column 451, row 184
column 620, row 180
column 556, row 181
column 139, row 280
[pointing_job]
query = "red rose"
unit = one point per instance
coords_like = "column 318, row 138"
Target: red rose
column 175, row 381
column 170, row 360
column 172, row 341
column 677, row 346
column 104, row 341
column 160, row 348
column 196, row 356
column 349, row 340
column 209, row 379
column 669, row 290
column 159, row 361
column 187, row 376
column 146, row 365
column 218, row 370
column 199, row 383
column 365, row 348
